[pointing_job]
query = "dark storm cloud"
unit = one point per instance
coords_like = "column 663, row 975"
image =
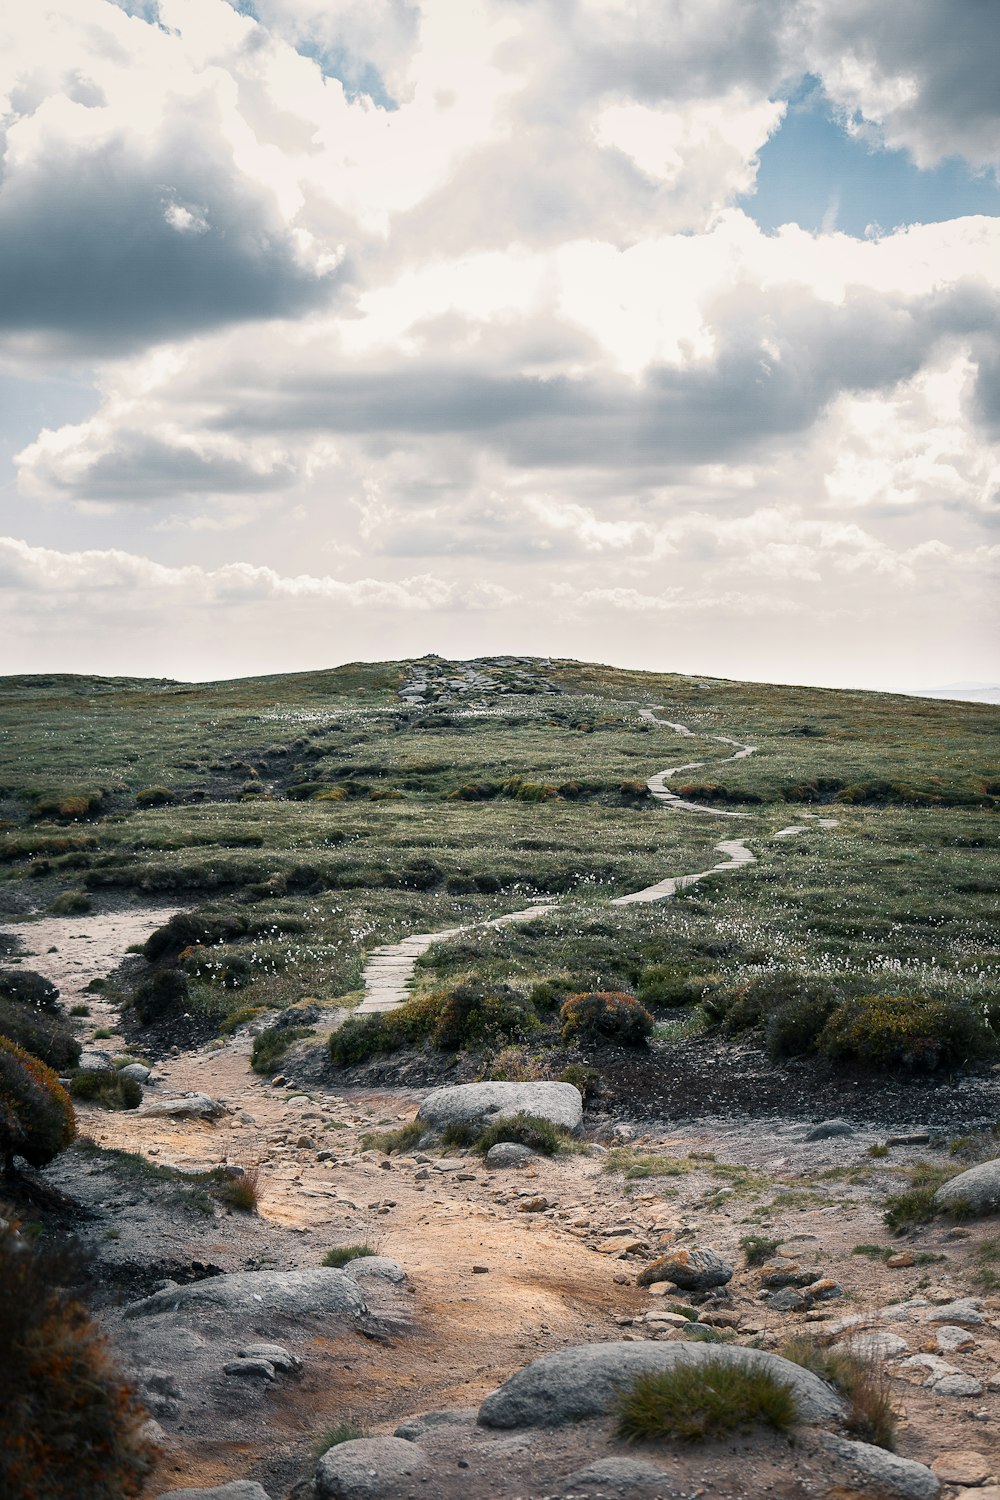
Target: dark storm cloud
column 107, row 248
column 139, row 467
column 949, row 55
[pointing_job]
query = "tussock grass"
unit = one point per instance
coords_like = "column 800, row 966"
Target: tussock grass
column 403, row 1139
column 695, row 1403
column 345, row 1253
column 862, row 1381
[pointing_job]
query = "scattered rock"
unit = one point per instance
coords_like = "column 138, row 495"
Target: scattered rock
column 240, row 1489
column 692, row 1270
column 975, row 1192
column 898, row 1262
column 877, row 1345
column 95, row 1062
column 481, row 1103
column 509, row 1154
column 883, row 1471
column 950, row 1339
column 963, row 1467
column 942, row 1378
column 574, row 1384
column 189, row 1107
column 617, row 1476
column 365, row 1468
column 790, row 1300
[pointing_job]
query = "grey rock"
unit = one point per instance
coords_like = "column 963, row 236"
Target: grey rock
column 962, row 1310
column 582, row 1382
column 95, row 1061
column 138, row 1071
column 276, row 1355
column 188, row 1107
column 956, row 1385
column 365, row 1468
column 415, row 1427
column 253, row 1369
column 883, row 1472
column 240, row 1489
column 692, row 1270
column 790, row 1300
column 878, row 1344
column 482, row 1103
column 509, row 1154
column 622, row 1476
column 975, row 1192
column 827, row 1129
column 382, row 1267
column 318, row 1289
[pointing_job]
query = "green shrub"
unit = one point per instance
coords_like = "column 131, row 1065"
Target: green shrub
column 270, row 1046
column 28, row 988
column 185, row 929
column 758, row 1248
column 693, row 1403
column 360, row 1038
column 345, row 1253
column 332, row 1437
column 526, row 1130
column 916, row 1033
column 163, row 992
column 670, row 985
column 793, row 1029
column 66, row 806
column 610, row 1015
column 154, row 796
column 916, row 1205
column 474, row 1015
column 404, row 1139
column 36, row 1115
column 106, row 1088
column 70, row 1427
column 40, row 1034
column 70, row 903
column 549, row 994
column 751, row 1004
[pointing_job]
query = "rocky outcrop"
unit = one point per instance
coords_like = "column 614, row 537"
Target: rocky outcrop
column 479, row 1104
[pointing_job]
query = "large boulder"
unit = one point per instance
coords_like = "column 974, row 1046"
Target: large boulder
column 575, row 1384
column 365, row 1468
column 317, row 1290
column 479, row 1104
column 380, row 1267
column 975, row 1192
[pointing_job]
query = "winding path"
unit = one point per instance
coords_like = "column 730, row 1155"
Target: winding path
column 389, row 971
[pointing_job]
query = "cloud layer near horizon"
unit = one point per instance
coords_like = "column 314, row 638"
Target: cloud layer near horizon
column 451, row 308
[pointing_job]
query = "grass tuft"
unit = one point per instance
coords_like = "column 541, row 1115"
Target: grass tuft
column 696, row 1402
column 344, row 1253
column 862, row 1381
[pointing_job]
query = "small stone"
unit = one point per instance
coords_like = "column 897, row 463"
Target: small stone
column 957, row 1385
column 621, row 1244
column 278, row 1081
column 480, row 1270
column 535, row 1205
column 962, row 1467
column 254, row 1369
column 275, row 1354
column 824, row 1290
column 897, row 1262
column 789, row 1300
column 305, row 1143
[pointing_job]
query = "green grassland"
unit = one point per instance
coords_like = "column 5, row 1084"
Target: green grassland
column 332, row 817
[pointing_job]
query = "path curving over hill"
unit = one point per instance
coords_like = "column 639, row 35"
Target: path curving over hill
column 389, row 971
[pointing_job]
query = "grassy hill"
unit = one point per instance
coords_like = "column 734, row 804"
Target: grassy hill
column 329, row 814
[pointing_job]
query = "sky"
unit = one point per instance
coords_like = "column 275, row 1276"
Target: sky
column 655, row 332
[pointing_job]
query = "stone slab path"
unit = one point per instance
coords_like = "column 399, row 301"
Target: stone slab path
column 389, row 972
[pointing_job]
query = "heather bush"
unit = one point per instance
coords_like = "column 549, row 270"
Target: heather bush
column 749, row 1005
column 164, row 991
column 467, row 1016
column 615, row 1016
column 154, row 796
column 185, row 929
column 40, row 1034
column 36, row 1116
column 66, row 806
column 525, row 1130
column 670, row 985
column 917, row 1033
column 70, row 1427
column 28, row 988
